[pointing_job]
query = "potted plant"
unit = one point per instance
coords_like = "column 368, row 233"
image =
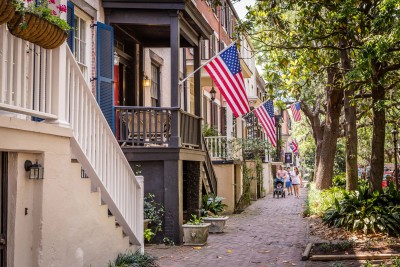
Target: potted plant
column 7, row 11
column 212, row 209
column 39, row 23
column 195, row 232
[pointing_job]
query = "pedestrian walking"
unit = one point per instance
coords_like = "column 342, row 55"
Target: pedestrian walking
column 288, row 181
column 280, row 173
column 297, row 182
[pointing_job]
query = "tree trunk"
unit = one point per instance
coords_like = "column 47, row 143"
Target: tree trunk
column 318, row 148
column 317, row 130
column 378, row 134
column 350, row 126
column 334, row 100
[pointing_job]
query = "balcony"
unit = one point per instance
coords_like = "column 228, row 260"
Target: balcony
column 225, row 149
column 157, row 127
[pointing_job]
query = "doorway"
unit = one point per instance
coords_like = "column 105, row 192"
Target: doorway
column 3, row 207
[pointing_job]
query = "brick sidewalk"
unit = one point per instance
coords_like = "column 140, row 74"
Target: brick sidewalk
column 271, row 232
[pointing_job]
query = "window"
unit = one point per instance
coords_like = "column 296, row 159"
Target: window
column 80, row 44
column 213, row 42
column 223, row 121
column 204, row 49
column 223, row 14
column 155, row 86
column 214, row 115
column 79, row 38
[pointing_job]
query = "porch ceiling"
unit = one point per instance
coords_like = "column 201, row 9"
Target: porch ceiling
column 150, row 22
column 152, row 35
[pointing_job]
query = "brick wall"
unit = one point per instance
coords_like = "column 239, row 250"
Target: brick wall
column 192, row 188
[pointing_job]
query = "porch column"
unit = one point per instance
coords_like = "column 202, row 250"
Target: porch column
column 58, row 83
column 197, row 77
column 173, row 203
column 175, row 96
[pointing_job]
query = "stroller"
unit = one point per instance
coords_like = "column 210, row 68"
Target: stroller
column 279, row 190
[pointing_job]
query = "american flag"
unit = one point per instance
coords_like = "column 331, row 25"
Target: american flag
column 294, row 146
column 265, row 115
column 296, row 111
column 226, row 72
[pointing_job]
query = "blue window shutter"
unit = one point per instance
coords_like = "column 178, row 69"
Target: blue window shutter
column 105, row 72
column 70, row 21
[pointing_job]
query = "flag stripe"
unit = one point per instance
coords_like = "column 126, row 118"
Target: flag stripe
column 226, row 72
column 296, row 111
column 267, row 121
column 230, row 83
column 234, row 83
column 266, row 118
column 271, row 133
column 231, row 101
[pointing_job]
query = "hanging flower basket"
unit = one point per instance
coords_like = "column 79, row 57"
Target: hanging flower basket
column 7, row 11
column 36, row 30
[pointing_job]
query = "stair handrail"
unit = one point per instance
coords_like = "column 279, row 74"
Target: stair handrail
column 210, row 172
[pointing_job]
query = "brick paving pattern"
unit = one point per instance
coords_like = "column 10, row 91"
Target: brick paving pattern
column 270, row 232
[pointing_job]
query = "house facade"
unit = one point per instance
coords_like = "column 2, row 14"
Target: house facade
column 69, row 197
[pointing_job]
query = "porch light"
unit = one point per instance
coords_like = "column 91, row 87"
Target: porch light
column 35, row 170
column 212, row 92
column 116, row 59
column 146, row 82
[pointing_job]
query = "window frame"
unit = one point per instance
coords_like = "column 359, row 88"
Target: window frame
column 85, row 66
column 155, row 82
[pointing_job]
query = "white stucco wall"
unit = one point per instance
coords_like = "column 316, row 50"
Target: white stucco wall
column 56, row 221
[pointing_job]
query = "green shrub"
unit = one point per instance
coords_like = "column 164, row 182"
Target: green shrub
column 369, row 212
column 318, row 201
column 339, row 180
column 207, row 130
column 134, row 259
column 212, row 205
column 153, row 211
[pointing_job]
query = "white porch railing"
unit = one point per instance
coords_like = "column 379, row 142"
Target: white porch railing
column 25, row 78
column 218, row 147
column 49, row 85
column 224, row 148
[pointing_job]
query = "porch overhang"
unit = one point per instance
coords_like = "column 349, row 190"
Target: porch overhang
column 150, row 22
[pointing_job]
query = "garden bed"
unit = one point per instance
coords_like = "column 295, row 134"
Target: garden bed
column 337, row 244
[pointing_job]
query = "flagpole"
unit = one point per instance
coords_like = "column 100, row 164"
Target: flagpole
column 208, row 61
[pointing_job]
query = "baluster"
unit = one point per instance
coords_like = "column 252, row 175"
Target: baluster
column 145, row 126
column 49, row 74
column 11, row 65
column 18, row 71
column 3, row 62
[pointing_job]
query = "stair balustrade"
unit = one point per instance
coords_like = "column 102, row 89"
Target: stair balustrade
column 209, row 169
column 48, row 85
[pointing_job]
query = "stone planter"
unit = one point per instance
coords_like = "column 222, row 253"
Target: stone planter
column 38, row 30
column 195, row 235
column 217, row 223
column 146, row 223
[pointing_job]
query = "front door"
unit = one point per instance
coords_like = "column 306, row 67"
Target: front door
column 3, row 207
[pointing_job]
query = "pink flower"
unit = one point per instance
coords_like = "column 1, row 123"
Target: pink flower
column 62, row 8
column 29, row 1
column 54, row 12
column 52, row 1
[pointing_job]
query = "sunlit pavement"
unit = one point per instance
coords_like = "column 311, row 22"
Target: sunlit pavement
column 270, row 232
